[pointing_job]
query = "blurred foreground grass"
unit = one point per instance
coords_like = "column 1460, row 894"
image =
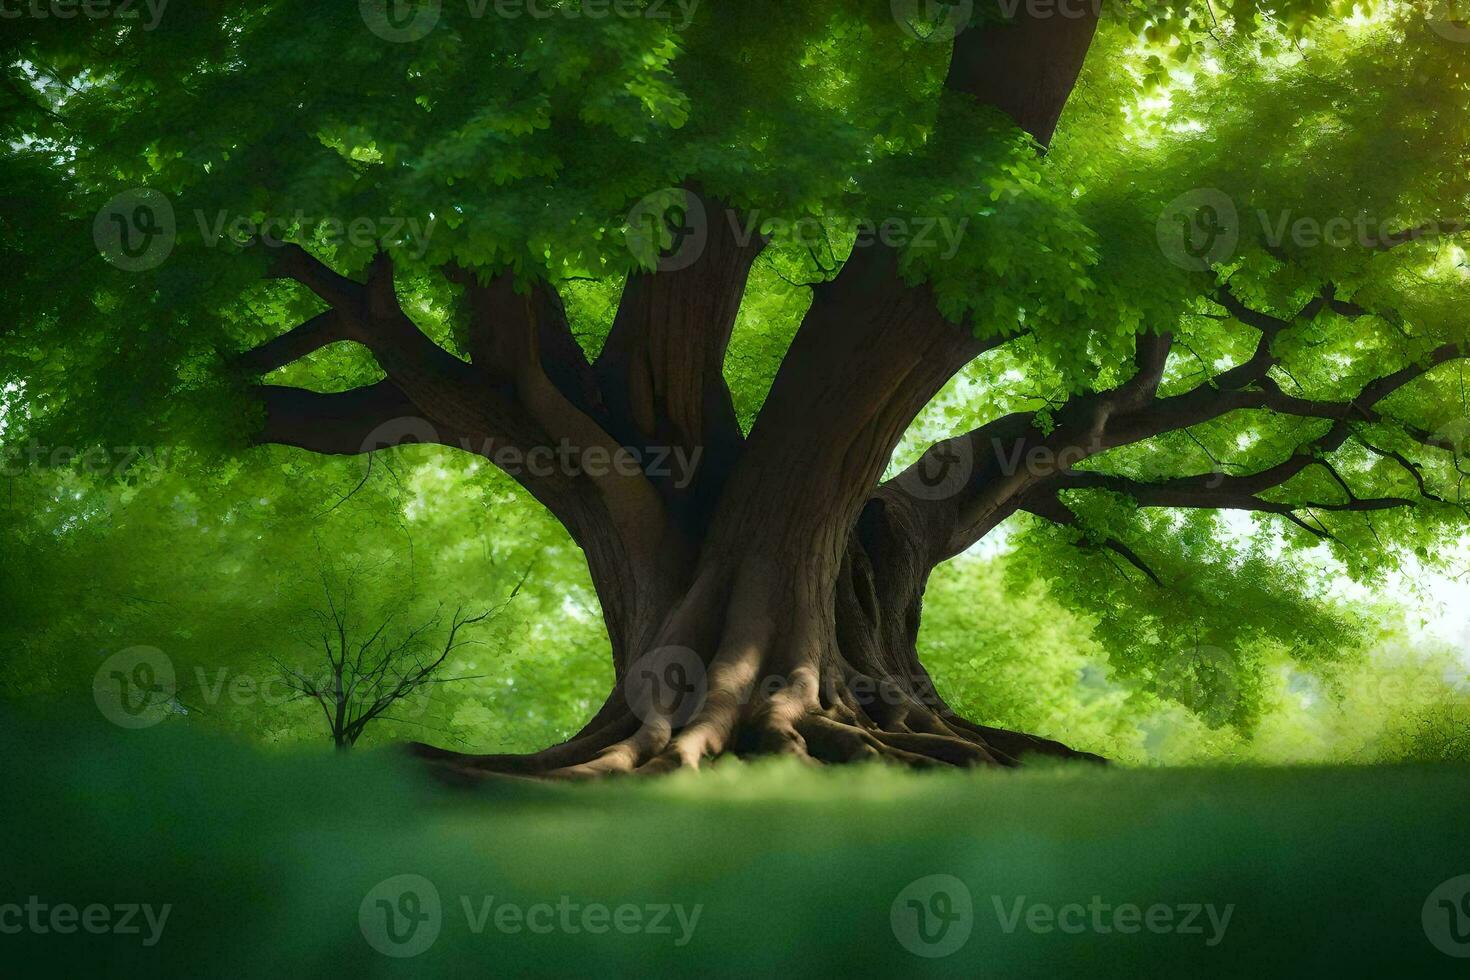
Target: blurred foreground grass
column 272, row 866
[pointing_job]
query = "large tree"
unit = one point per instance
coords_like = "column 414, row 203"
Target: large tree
column 337, row 229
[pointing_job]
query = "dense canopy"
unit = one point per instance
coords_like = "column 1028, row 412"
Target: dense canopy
column 1188, row 333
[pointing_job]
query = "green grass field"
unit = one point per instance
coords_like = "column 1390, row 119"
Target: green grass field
column 273, row 865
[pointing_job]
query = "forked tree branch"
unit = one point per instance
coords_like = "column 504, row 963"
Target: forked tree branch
column 1005, row 476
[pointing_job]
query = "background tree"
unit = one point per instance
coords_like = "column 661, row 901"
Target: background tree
column 779, row 580
column 361, row 676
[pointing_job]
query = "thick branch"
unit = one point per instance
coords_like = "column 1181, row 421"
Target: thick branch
column 512, row 328
column 1428, row 229
column 291, row 261
column 869, row 355
column 872, row 350
column 1026, row 68
column 338, row 424
column 1050, row 507
column 662, row 368
column 1012, row 457
column 316, row 333
column 507, row 330
column 1224, row 493
column 1150, row 357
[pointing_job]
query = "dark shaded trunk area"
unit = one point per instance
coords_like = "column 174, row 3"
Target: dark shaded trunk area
column 787, row 641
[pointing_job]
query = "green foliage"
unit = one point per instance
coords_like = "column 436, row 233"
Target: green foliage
column 267, row 860
column 223, row 571
column 524, row 143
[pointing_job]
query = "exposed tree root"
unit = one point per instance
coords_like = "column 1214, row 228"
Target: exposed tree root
column 789, row 675
column 790, row 722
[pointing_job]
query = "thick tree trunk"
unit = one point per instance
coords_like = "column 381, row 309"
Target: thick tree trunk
column 785, row 642
column 772, row 605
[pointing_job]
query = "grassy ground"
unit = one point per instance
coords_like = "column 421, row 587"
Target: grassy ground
column 273, row 866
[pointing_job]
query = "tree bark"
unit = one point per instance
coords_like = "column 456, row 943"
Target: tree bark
column 781, row 645
column 773, row 604
column 796, row 629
